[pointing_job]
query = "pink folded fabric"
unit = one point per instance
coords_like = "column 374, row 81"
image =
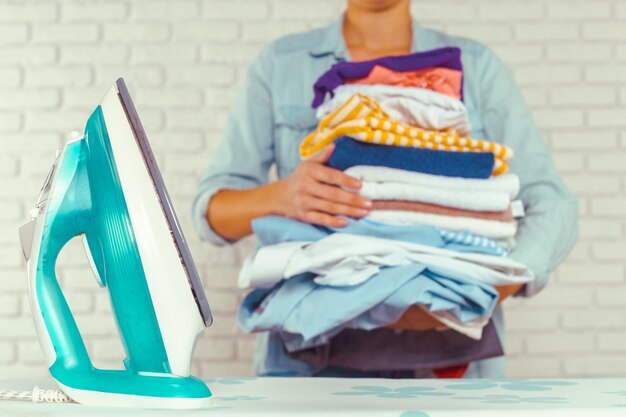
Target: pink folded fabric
column 501, row 216
column 442, row 80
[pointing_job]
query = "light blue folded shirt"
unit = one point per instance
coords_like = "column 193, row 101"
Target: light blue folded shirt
column 271, row 230
column 300, row 306
column 272, row 114
column 308, row 314
column 311, row 312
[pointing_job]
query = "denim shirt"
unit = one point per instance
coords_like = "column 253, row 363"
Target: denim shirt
column 272, row 114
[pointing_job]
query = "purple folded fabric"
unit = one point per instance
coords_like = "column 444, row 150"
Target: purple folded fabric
column 448, row 57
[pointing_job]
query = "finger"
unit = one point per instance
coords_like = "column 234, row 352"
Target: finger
column 323, row 155
column 335, row 177
column 331, row 207
column 324, row 219
column 337, row 195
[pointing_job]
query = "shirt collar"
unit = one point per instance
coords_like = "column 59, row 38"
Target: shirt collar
column 333, row 43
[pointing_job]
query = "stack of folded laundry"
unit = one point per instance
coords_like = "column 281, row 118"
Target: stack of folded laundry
column 437, row 235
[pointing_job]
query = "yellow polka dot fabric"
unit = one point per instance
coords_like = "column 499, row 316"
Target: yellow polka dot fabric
column 361, row 118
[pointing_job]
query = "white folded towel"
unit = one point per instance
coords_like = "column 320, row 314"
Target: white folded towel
column 468, row 200
column 506, row 183
column 488, row 228
column 411, row 105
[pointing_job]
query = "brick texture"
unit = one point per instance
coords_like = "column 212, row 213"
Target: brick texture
column 183, row 60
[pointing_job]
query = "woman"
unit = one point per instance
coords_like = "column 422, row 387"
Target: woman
column 272, row 114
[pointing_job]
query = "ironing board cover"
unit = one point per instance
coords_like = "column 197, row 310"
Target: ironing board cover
column 377, row 397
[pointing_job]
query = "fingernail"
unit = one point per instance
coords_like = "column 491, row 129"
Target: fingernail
column 342, row 222
column 361, row 213
column 367, row 203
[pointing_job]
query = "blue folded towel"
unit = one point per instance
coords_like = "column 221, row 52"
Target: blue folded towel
column 349, row 152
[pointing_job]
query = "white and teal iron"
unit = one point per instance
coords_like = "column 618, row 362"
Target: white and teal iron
column 106, row 187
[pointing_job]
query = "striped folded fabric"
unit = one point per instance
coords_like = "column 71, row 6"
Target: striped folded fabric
column 420, row 207
column 411, row 105
column 488, row 228
column 362, row 118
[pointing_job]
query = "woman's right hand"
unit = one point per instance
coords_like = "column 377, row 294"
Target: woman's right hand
column 314, row 193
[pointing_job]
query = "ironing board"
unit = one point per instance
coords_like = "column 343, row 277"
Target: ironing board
column 374, row 397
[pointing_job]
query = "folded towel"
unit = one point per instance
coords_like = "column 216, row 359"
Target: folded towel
column 507, row 183
column 362, row 118
column 442, row 80
column 410, row 105
column 447, row 57
column 349, row 153
column 500, row 216
column 468, row 200
column 487, row 228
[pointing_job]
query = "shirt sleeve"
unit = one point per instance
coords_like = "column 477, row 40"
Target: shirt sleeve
column 549, row 229
column 246, row 151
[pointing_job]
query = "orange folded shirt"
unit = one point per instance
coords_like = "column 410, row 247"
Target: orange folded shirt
column 501, row 216
column 442, row 80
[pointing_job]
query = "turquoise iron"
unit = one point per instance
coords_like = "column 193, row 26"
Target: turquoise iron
column 106, row 187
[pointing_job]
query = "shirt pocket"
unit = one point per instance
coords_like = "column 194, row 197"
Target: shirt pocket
column 478, row 130
column 292, row 124
column 296, row 117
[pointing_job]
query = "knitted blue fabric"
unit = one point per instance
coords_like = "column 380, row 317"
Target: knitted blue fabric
column 349, row 152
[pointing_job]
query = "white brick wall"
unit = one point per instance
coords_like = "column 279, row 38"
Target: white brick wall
column 183, row 60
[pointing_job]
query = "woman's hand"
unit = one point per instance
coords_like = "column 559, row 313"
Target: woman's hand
column 506, row 291
column 416, row 318
column 313, row 193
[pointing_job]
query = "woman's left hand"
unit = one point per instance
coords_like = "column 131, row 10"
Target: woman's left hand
column 506, row 291
column 416, row 318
